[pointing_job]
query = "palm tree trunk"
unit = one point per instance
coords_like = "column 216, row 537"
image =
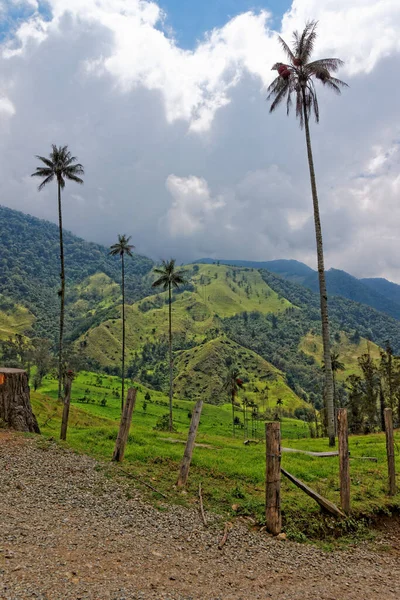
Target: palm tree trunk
column 170, row 357
column 62, row 297
column 123, row 334
column 328, row 384
column 233, row 414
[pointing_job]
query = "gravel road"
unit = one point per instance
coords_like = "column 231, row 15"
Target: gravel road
column 69, row 532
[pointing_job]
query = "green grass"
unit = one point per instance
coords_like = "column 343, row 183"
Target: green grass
column 231, row 473
column 348, row 352
column 15, row 320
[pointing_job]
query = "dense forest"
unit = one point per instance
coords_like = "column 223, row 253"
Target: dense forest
column 29, row 273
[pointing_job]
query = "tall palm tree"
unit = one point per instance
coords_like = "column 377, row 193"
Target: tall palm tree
column 59, row 166
column 298, row 79
column 169, row 278
column 337, row 365
column 121, row 248
column 232, row 385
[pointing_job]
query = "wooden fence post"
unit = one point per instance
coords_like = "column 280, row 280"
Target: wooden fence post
column 273, row 515
column 125, row 424
column 67, row 403
column 187, row 455
column 344, row 470
column 390, row 450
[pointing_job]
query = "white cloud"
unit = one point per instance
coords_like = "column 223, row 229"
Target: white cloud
column 178, row 146
column 6, row 107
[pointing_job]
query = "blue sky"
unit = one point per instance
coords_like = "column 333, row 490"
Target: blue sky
column 190, row 19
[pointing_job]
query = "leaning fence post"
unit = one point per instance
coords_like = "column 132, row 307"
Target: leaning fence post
column 390, row 450
column 125, row 424
column 344, row 470
column 273, row 515
column 187, row 456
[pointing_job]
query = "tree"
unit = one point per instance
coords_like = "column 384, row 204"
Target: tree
column 121, row 248
column 297, row 78
column 232, row 385
column 60, row 166
column 169, row 279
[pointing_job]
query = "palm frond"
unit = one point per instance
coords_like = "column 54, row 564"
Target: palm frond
column 308, row 40
column 46, row 161
column 122, row 246
column 286, row 48
column 162, row 281
column 279, row 97
column 42, row 172
column 48, row 179
column 59, row 165
column 330, row 64
column 72, row 177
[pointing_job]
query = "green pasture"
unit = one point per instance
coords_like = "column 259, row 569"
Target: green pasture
column 232, row 473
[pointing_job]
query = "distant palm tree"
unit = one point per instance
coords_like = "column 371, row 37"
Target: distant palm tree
column 121, row 248
column 60, row 166
column 232, row 385
column 297, row 78
column 169, row 278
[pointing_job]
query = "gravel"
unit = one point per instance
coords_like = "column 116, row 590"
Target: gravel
column 69, row 532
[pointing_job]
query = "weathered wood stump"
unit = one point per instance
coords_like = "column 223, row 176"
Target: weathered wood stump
column 15, row 404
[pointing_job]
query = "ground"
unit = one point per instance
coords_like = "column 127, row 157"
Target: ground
column 71, row 528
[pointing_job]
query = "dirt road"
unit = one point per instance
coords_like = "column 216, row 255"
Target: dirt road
column 69, row 532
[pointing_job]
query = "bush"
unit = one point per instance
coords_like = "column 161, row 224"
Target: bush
column 163, row 423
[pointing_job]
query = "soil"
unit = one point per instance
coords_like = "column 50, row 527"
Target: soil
column 69, row 531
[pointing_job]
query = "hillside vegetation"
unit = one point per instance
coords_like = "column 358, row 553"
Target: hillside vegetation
column 265, row 325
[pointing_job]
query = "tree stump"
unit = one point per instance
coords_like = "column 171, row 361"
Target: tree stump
column 15, row 405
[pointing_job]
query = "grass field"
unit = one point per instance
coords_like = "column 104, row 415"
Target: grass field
column 348, row 352
column 232, row 474
column 15, row 320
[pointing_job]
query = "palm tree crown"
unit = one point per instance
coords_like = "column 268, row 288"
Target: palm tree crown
column 169, row 276
column 298, row 78
column 122, row 246
column 60, row 165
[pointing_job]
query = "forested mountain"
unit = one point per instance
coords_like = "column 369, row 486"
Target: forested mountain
column 381, row 294
column 29, row 266
column 386, row 288
column 264, row 324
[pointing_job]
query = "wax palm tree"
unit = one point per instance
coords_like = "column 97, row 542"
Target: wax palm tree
column 232, row 385
column 59, row 166
column 169, row 278
column 121, row 248
column 298, row 79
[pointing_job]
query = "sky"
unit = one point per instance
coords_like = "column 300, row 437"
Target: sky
column 165, row 106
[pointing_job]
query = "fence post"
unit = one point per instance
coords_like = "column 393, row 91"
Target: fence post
column 67, row 402
column 344, row 470
column 273, row 515
column 390, row 450
column 187, row 456
column 125, row 424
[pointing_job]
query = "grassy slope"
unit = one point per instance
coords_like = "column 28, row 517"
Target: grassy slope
column 202, row 371
column 194, row 313
column 231, row 473
column 348, row 352
column 16, row 320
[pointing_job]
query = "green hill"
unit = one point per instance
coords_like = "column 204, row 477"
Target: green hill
column 266, row 325
column 29, row 271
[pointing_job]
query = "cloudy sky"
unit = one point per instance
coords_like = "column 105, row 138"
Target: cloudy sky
column 164, row 104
